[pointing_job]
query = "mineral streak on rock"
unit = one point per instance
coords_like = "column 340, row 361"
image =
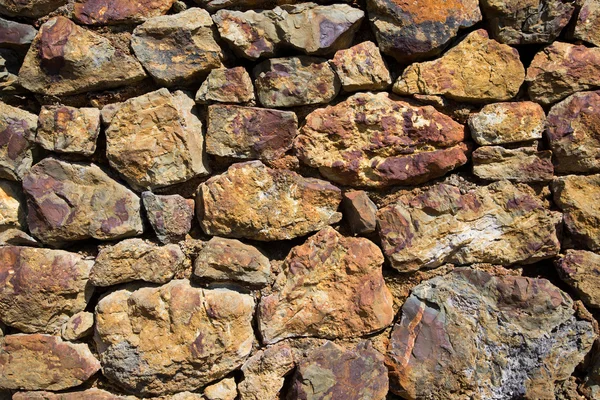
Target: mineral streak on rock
column 580, row 269
column 66, row 129
column 518, row 165
column 170, row 215
column 226, row 85
column 361, row 67
column 107, row 12
column 587, row 26
column 17, row 132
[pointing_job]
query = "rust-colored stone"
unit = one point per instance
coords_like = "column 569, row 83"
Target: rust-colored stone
column 361, row 67
column 226, row 85
column 106, row 12
column 66, row 129
column 496, row 163
column 17, row 132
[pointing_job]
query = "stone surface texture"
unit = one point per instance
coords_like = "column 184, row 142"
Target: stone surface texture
column 12, row 206
column 17, row 132
column 588, row 21
column 108, row 12
column 580, row 269
column 14, row 34
column 79, row 326
column 66, row 129
column 496, row 163
column 226, row 85
column 360, row 212
column 170, row 215
column 29, row 9
column 264, row 373
column 361, row 67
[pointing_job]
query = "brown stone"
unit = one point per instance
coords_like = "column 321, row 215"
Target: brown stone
column 12, row 206
column 79, row 326
column 264, row 373
column 361, row 67
column 29, row 8
column 372, row 140
column 225, row 389
column 107, row 12
column 226, row 85
column 88, row 394
column 360, row 212
column 17, row 131
column 170, row 215
column 580, row 269
column 66, row 129
column 496, row 163
column 587, row 26
column 15, row 35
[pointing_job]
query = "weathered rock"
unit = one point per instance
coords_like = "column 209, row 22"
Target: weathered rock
column 577, row 197
column 44, row 362
column 360, row 212
column 496, row 163
column 16, row 237
column 249, row 132
column 372, row 140
column 410, row 31
column 230, row 260
column 12, row 210
column 70, row 201
column 264, row 373
column 225, row 389
column 588, row 22
column 562, row 69
column 470, row 334
column 170, row 215
column 177, row 49
column 226, row 85
column 502, row 123
column 255, row 202
column 30, row 8
column 106, row 12
column 66, row 59
column 497, row 224
column 17, row 131
column 8, row 79
column 476, row 70
column 330, row 287
column 136, row 259
column 295, row 81
column 361, row 67
column 66, row 129
column 88, row 394
column 172, row 338
column 527, row 22
column 573, row 132
column 15, row 35
column 331, row 371
column 155, row 140
column 40, row 289
column 580, row 269
column 78, row 326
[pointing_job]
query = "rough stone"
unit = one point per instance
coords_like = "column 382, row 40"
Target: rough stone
column 79, row 326
column 588, row 21
column 40, row 289
column 580, row 269
column 577, row 197
column 471, row 334
column 498, row 224
column 177, row 49
column 476, row 70
column 573, row 132
column 225, row 389
column 12, row 210
column 107, row 12
column 44, row 362
column 331, row 371
column 15, row 35
column 330, row 287
column 249, row 132
column 170, row 215
column 136, row 259
column 66, row 59
column 66, row 129
column 264, row 373
column 372, row 140
column 172, row 338
column 156, row 140
column 360, row 212
column 496, row 163
column 88, row 394
column 361, row 67
column 30, row 8
column 562, row 69
column 70, row 201
column 226, row 85
column 16, row 237
column 255, row 202
column 502, row 123
column 17, row 131
column 410, row 31
column 295, row 81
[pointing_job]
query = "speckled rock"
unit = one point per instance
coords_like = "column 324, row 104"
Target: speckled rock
column 497, row 224
column 88, row 394
column 70, row 201
column 361, row 67
column 66, row 59
column 264, row 373
column 170, row 215
column 177, row 49
column 372, row 140
column 78, row 326
column 527, row 22
column 249, row 132
column 587, row 25
column 14, row 34
column 496, row 163
column 66, row 129
column 226, row 85
column 410, row 31
column 106, row 12
column 30, row 8
column 477, row 70
column 12, row 207
column 44, row 362
column 40, row 289
column 172, row 338
column 360, row 212
column 330, row 287
column 577, row 197
column 502, row 123
column 573, row 132
column 333, row 372
column 255, row 202
column 155, row 140
column 17, row 131
column 471, row 334
column 562, row 69
column 225, row 389
column 295, row 81
column 580, row 269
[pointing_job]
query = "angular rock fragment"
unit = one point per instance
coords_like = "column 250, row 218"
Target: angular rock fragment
column 155, row 140
column 295, row 81
column 66, row 129
column 249, row 132
column 502, row 123
column 360, row 212
column 225, row 389
column 226, row 85
column 264, row 373
column 170, row 215
column 496, row 163
column 40, row 289
column 580, row 269
column 562, row 69
column 15, row 35
column 255, row 202
column 372, row 140
column 88, row 394
column 587, row 25
column 172, row 338
column 44, row 362
column 12, row 210
column 78, row 326
column 361, row 67
column 17, row 131
column 69, row 201
column 66, row 59
column 330, row 287
column 107, row 12
column 177, row 49
column 29, row 8
column 476, row 70
column 16, row 237
column 498, row 336
column 497, row 224
column 410, row 31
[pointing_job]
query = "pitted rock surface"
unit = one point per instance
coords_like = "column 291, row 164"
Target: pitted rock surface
column 226, row 85
column 17, row 132
column 361, row 67
column 587, row 26
column 170, row 215
column 107, row 12
column 496, row 163
column 66, row 129
column 580, row 269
